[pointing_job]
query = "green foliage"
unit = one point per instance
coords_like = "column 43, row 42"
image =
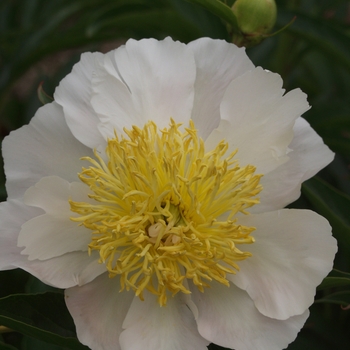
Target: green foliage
column 35, row 316
column 41, row 40
column 220, row 9
column 332, row 204
column 336, row 294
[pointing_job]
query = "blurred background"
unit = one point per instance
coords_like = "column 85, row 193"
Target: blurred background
column 40, row 41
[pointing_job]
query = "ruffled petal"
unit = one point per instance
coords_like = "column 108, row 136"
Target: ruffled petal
column 145, row 80
column 98, row 310
column 308, row 156
column 293, row 252
column 228, row 317
column 53, row 233
column 63, row 272
column 13, row 214
column 258, row 120
column 172, row 327
column 74, row 95
column 44, row 147
column 217, row 64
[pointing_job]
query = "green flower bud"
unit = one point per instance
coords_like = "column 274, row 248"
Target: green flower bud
column 255, row 18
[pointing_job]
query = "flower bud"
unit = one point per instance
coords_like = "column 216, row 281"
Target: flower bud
column 255, row 18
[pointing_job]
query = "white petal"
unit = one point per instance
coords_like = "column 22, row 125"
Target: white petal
column 308, row 156
column 46, row 236
column 98, row 310
column 258, row 120
column 147, row 80
column 293, row 252
column 52, row 193
column 44, row 147
column 172, row 327
column 74, row 95
column 65, row 271
column 217, row 63
column 54, row 233
column 13, row 214
column 306, row 142
column 228, row 317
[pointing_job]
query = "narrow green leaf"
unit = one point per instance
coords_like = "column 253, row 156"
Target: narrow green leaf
column 338, row 273
column 42, row 316
column 319, row 33
column 333, row 282
column 340, row 298
column 219, row 9
column 332, row 204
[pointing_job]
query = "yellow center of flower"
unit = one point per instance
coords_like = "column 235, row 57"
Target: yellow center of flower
column 163, row 210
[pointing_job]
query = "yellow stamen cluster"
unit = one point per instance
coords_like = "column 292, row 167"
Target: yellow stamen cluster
column 165, row 209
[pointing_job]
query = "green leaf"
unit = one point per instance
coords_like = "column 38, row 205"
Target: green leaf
column 336, row 131
column 29, row 343
column 333, row 282
column 339, row 298
column 4, row 346
column 151, row 22
column 332, row 204
column 321, row 332
column 219, row 9
column 319, row 33
column 42, row 316
column 338, row 273
column 205, row 21
column 336, row 278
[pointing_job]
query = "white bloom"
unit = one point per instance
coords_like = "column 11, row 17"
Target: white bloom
column 164, row 241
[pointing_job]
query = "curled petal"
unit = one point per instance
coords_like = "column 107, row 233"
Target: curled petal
column 228, row 317
column 217, row 64
column 308, row 154
column 258, row 120
column 144, row 80
column 292, row 253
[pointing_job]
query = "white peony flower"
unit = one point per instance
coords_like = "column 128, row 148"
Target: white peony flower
column 152, row 190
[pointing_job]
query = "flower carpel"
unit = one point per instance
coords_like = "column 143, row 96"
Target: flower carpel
column 165, row 209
